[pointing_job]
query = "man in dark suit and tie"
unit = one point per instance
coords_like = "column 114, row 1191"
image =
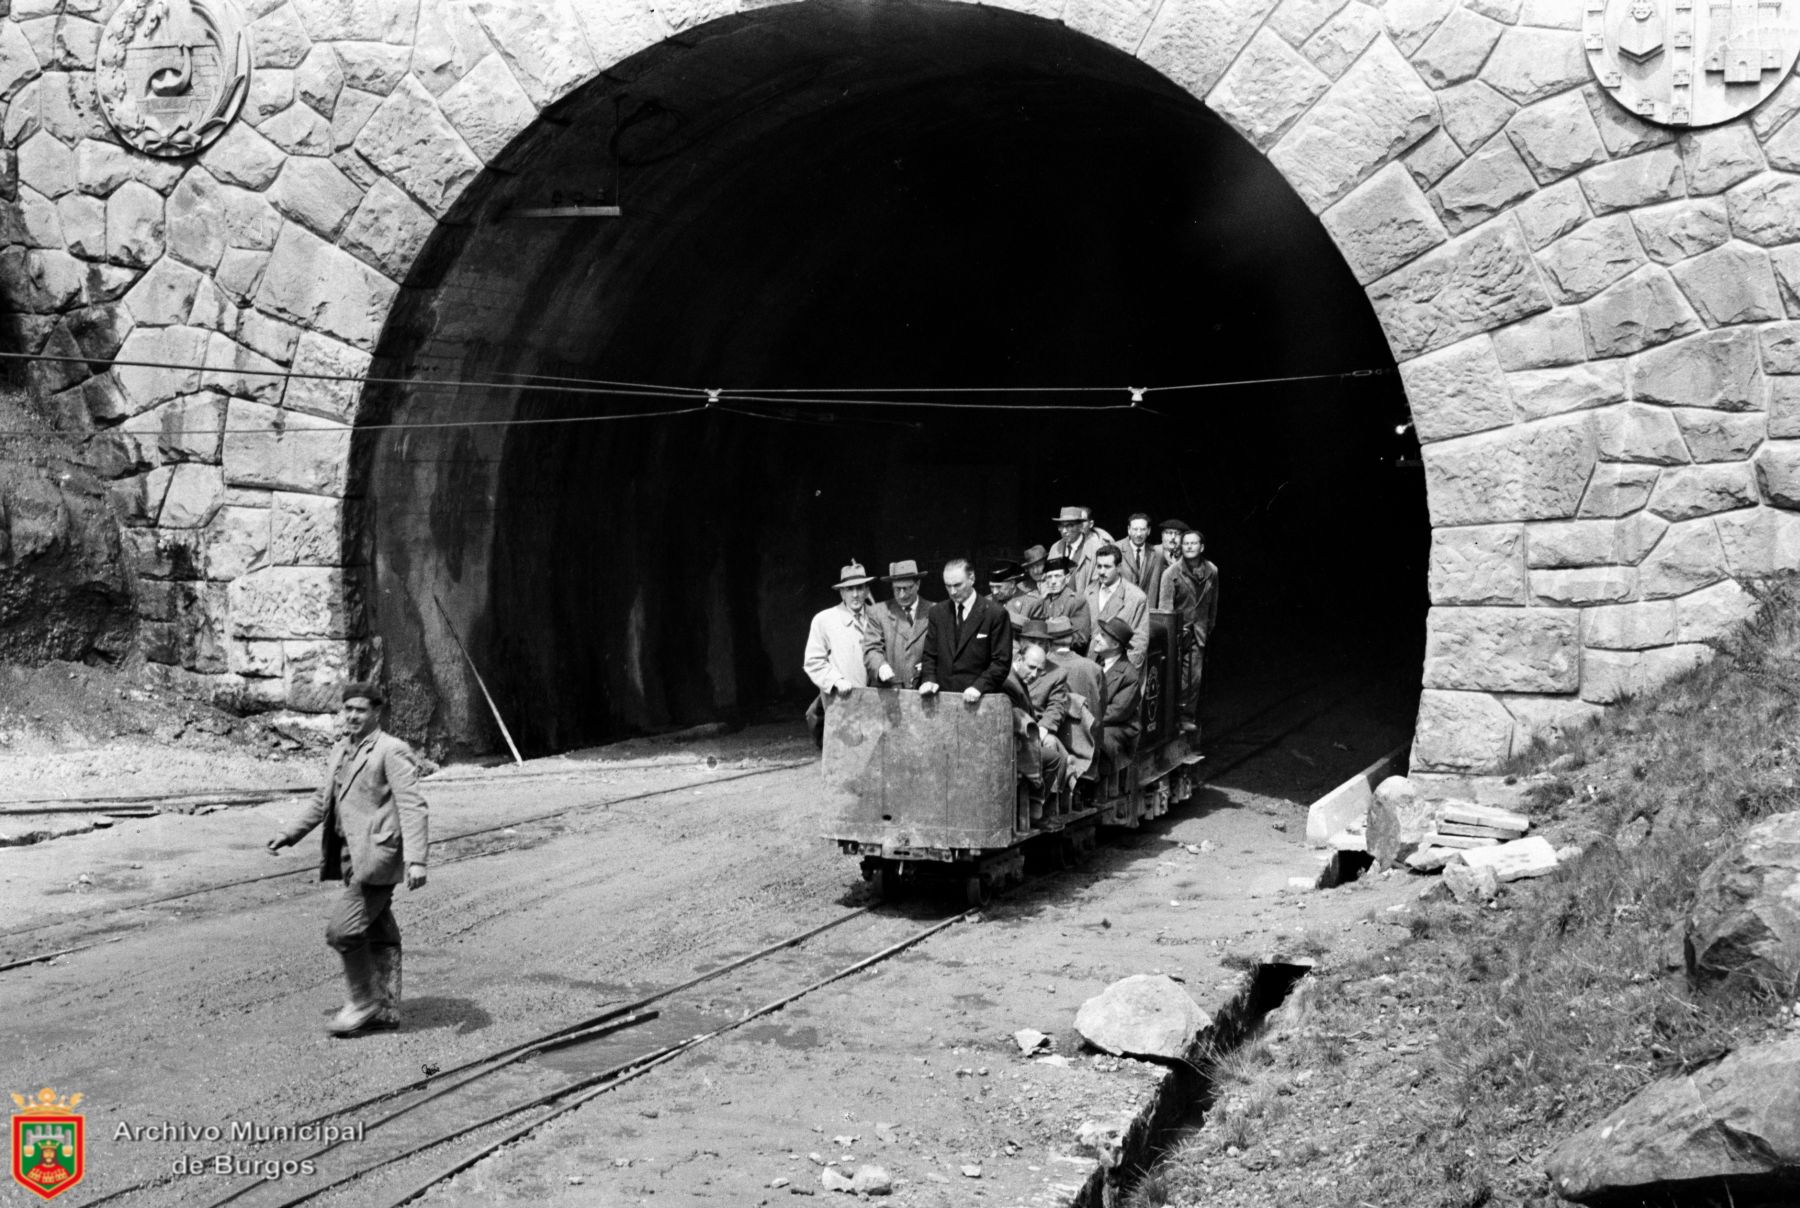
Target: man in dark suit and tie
column 1141, row 563
column 968, row 647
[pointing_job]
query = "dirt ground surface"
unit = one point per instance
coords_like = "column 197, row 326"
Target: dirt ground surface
column 594, row 880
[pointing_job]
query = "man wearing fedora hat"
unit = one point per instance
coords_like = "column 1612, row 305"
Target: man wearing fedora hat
column 837, row 645
column 1032, row 562
column 897, row 650
column 375, row 835
column 1119, row 684
column 1062, row 600
column 1006, row 587
column 1078, row 543
column 1083, row 672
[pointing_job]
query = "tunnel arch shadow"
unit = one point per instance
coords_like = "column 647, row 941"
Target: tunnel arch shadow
column 834, row 196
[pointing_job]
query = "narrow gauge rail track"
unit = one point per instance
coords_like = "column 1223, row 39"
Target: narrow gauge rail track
column 1230, row 748
column 125, row 803
column 310, row 869
column 1255, row 733
column 421, row 1123
column 420, row 1119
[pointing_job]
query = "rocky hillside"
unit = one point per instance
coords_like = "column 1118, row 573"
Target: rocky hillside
column 1622, row 1032
column 64, row 590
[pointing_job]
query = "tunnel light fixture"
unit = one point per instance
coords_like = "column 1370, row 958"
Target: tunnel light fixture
column 563, row 212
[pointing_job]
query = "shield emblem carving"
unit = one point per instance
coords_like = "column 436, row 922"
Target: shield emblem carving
column 1641, row 36
column 1689, row 63
column 172, row 74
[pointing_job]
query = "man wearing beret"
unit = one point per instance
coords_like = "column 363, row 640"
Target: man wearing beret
column 374, row 836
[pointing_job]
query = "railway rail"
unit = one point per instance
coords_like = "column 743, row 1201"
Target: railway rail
column 419, row 1122
column 428, row 1131
column 125, row 803
column 311, row 869
column 1228, row 749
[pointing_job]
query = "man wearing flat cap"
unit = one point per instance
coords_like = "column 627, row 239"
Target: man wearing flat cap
column 837, row 644
column 896, row 650
column 374, row 836
column 1163, row 598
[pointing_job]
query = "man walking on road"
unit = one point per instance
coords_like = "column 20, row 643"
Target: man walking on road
column 375, row 835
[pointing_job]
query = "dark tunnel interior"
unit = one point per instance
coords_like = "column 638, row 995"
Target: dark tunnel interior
column 913, row 206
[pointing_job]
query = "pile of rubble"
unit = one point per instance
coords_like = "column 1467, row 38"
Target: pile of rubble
column 1476, row 847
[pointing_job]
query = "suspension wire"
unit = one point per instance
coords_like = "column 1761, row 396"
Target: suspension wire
column 707, row 398
column 597, row 387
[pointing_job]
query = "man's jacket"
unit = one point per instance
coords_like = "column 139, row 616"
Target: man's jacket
column 381, row 813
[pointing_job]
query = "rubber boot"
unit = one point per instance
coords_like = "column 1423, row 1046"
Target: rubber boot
column 363, row 1003
column 387, row 984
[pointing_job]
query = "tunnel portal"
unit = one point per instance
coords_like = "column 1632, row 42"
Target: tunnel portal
column 936, row 219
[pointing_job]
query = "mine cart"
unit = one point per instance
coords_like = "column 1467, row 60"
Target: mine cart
column 926, row 787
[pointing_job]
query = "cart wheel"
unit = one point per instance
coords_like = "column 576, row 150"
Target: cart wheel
column 888, row 885
column 975, row 891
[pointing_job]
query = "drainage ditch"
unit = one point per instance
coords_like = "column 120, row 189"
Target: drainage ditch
column 1344, row 867
column 1181, row 1103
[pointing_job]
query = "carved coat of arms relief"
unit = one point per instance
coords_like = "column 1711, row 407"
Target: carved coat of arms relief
column 1691, row 63
column 172, row 74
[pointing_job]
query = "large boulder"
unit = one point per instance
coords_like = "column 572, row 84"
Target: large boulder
column 1398, row 819
column 1746, row 916
column 1732, row 1126
column 1142, row 1016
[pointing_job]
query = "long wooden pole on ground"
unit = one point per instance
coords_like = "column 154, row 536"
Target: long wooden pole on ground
column 492, row 707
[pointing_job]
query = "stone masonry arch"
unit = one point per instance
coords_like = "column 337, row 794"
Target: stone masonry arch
column 1591, row 314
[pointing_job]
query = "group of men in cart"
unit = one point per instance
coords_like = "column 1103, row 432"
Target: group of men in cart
column 1063, row 632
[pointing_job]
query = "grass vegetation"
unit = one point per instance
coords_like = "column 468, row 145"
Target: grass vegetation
column 1441, row 1073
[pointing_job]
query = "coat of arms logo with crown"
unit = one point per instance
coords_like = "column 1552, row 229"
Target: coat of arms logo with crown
column 49, row 1143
